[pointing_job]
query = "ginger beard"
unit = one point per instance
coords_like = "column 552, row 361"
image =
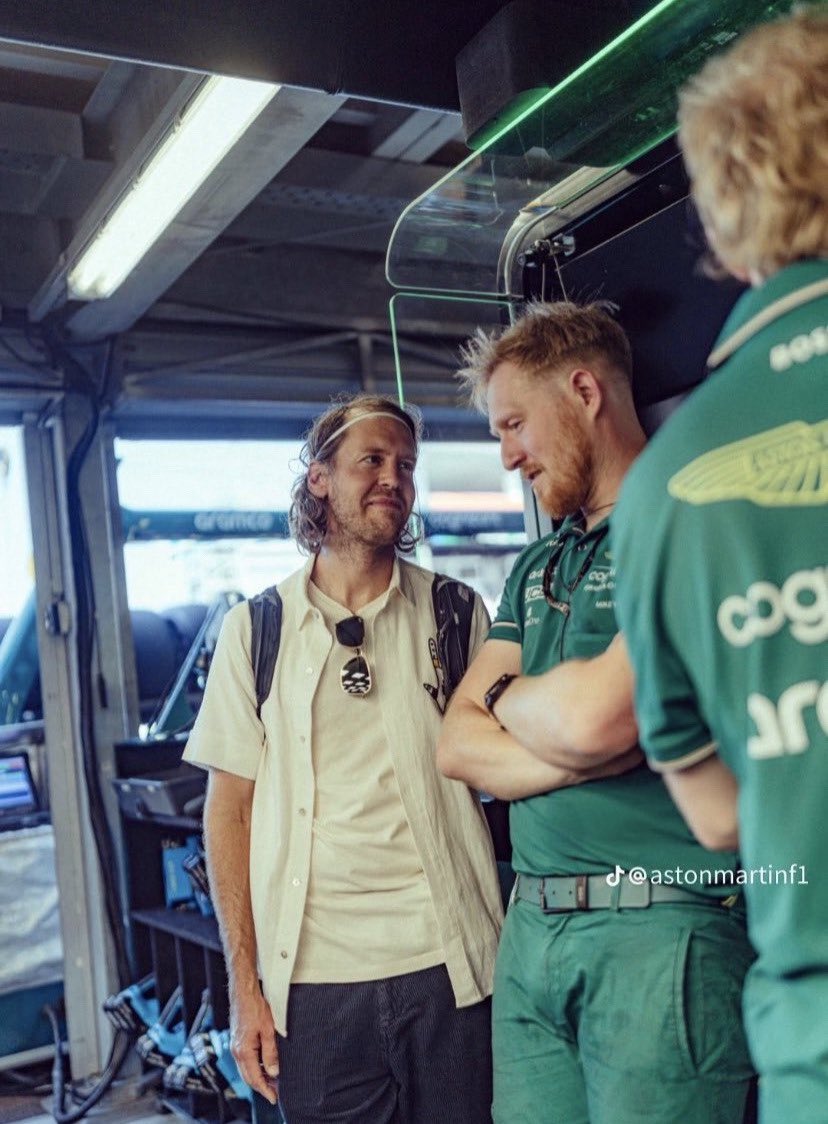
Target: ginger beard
column 563, row 488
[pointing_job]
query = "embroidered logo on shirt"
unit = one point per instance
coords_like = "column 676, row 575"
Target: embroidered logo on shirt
column 783, row 467
column 800, row 349
column 600, row 581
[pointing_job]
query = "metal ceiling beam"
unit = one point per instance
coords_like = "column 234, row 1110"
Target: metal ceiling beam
column 274, row 138
column 417, row 139
column 289, row 419
column 389, row 50
column 28, row 245
column 290, row 283
column 42, row 132
column 246, row 356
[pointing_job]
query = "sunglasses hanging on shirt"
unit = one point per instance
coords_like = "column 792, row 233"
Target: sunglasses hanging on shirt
column 550, row 573
column 355, row 676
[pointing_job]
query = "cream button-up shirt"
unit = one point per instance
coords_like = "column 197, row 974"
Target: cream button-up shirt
column 445, row 817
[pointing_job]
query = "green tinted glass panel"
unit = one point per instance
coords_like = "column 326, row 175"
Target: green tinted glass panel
column 542, row 164
column 427, row 331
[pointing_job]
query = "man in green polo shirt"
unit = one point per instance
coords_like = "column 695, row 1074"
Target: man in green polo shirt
column 721, row 541
column 619, row 975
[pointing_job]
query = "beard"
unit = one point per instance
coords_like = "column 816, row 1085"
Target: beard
column 567, row 491
column 350, row 523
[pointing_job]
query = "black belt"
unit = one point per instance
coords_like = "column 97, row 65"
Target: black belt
column 568, row 893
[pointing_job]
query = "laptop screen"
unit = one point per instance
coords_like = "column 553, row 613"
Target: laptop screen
column 17, row 791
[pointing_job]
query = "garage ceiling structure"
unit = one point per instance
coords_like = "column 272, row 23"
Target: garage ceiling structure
column 270, row 286
column 268, row 293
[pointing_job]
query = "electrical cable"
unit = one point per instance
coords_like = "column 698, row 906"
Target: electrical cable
column 80, row 381
column 85, row 632
column 121, row 1046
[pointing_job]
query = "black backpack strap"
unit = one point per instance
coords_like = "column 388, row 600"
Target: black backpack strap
column 266, row 626
column 453, row 603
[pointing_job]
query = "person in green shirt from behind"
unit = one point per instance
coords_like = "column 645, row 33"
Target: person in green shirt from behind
column 721, row 540
column 619, row 974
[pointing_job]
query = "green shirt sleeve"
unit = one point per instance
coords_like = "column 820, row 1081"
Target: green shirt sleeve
column 672, row 731
column 507, row 623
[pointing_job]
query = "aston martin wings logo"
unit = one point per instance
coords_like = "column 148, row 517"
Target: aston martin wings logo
column 783, row 467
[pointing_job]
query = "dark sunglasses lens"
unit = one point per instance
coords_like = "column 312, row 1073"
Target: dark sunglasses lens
column 351, row 632
column 548, row 584
column 355, row 676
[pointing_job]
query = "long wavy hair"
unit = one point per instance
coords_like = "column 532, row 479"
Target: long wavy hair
column 308, row 515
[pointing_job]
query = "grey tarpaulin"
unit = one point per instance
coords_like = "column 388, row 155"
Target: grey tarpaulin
column 31, row 953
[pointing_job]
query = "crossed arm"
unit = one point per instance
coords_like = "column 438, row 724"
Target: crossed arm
column 572, row 724
column 227, row 838
column 537, row 749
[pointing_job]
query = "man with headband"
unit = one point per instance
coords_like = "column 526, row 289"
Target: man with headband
column 355, row 887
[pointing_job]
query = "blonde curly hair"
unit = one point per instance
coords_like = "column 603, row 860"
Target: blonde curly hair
column 753, row 127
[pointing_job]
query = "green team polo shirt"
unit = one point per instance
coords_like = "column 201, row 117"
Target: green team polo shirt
column 721, row 540
column 629, row 820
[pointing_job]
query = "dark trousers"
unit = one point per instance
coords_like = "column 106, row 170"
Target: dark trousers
column 394, row 1051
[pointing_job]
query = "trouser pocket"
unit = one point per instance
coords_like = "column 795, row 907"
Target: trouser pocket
column 710, row 966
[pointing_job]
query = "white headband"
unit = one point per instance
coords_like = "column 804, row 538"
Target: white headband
column 358, row 418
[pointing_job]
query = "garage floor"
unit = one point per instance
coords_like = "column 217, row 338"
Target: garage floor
column 32, row 1107
column 20, row 1110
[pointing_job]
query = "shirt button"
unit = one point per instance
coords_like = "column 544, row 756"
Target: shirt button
column 302, row 739
column 284, row 954
column 297, row 881
column 302, row 812
column 308, row 671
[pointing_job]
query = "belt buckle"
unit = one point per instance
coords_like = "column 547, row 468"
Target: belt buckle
column 581, row 891
column 544, row 908
column 581, row 900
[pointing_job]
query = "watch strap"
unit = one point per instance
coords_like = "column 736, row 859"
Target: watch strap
column 495, row 691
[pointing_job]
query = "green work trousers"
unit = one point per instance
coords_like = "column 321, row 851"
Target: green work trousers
column 628, row 1016
column 787, row 1023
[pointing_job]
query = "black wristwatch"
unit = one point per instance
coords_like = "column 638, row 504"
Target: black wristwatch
column 495, row 691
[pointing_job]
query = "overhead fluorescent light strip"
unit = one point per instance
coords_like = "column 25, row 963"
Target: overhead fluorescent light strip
column 219, row 114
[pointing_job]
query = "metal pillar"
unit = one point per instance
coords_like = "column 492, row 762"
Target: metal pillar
column 89, row 969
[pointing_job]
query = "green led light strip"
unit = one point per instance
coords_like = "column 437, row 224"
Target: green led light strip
column 584, row 68
column 727, row 18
